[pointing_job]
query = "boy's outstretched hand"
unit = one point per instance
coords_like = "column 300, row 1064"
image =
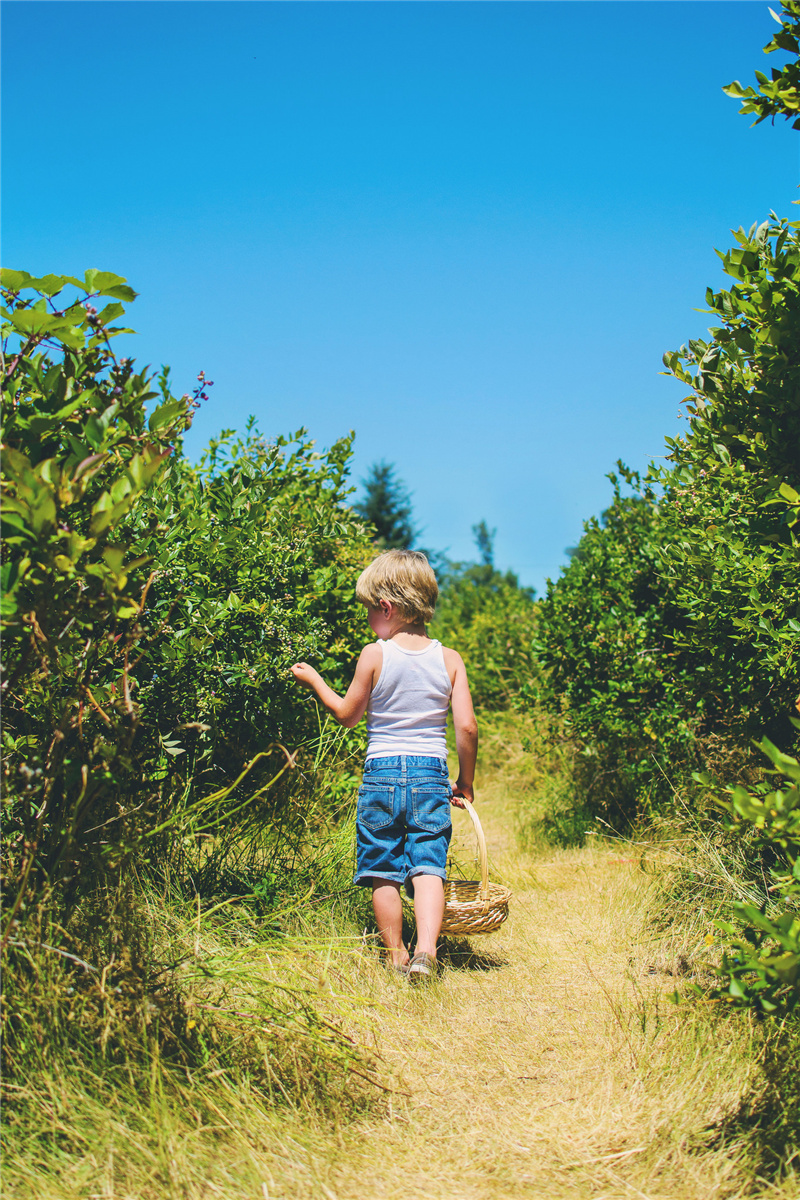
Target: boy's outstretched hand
column 305, row 674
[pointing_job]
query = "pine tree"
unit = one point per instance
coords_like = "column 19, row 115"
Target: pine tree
column 484, row 540
column 387, row 506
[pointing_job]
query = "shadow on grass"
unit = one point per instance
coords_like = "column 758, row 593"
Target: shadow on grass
column 458, row 954
column 768, row 1117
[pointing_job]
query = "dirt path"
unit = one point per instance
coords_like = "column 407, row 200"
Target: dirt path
column 545, row 1062
column 550, row 1063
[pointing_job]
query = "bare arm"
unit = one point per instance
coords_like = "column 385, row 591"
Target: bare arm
column 466, row 728
column 349, row 709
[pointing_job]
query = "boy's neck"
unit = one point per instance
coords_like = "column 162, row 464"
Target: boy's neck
column 412, row 637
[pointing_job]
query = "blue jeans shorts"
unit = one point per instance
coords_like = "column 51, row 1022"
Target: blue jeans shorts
column 403, row 824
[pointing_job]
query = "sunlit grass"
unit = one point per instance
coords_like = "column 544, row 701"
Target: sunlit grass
column 548, row 1059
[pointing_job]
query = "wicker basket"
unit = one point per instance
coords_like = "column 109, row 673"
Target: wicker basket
column 471, row 907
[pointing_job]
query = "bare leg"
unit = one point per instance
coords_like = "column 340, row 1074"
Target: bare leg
column 388, row 909
column 428, row 911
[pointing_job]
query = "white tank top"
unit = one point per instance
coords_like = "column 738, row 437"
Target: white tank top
column 407, row 711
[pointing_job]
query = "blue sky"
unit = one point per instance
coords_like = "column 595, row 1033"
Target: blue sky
column 468, row 231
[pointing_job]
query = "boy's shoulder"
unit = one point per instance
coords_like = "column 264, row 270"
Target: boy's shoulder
column 452, row 659
column 370, row 663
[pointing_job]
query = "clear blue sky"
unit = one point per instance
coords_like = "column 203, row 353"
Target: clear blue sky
column 466, row 230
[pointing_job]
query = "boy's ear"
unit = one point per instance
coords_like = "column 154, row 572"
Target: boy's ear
column 387, row 608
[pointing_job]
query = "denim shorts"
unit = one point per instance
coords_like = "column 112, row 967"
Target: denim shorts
column 403, row 824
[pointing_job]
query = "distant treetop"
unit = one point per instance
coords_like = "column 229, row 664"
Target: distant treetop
column 387, row 506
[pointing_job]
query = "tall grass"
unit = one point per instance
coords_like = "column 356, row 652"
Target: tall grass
column 205, row 1026
column 700, row 871
column 232, row 1041
column 198, row 995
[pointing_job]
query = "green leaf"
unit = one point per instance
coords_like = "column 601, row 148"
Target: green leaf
column 90, row 466
column 114, row 557
column 32, row 321
column 15, row 281
column 51, row 285
column 127, row 610
column 78, row 402
column 165, row 414
column 69, row 336
column 110, row 313
column 106, row 284
column 14, row 521
column 94, row 432
column 43, row 512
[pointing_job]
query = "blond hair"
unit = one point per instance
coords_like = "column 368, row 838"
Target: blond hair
column 404, row 578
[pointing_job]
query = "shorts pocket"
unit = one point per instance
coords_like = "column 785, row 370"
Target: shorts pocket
column 430, row 805
column 375, row 805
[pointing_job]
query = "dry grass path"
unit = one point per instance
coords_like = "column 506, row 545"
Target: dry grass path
column 551, row 1062
column 546, row 1061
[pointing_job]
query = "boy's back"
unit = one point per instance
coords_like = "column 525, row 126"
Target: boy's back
column 407, row 708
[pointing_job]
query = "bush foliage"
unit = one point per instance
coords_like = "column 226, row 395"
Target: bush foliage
column 151, row 610
column 672, row 641
column 760, row 967
column 152, row 607
column 678, row 620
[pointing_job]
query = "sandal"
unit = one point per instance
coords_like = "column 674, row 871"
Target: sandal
column 422, row 966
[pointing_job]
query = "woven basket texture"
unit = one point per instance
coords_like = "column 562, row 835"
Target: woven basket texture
column 466, row 911
column 471, row 906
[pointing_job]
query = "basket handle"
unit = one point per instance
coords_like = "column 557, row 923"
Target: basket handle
column 484, row 857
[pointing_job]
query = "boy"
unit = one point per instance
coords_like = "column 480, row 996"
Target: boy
column 405, row 682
